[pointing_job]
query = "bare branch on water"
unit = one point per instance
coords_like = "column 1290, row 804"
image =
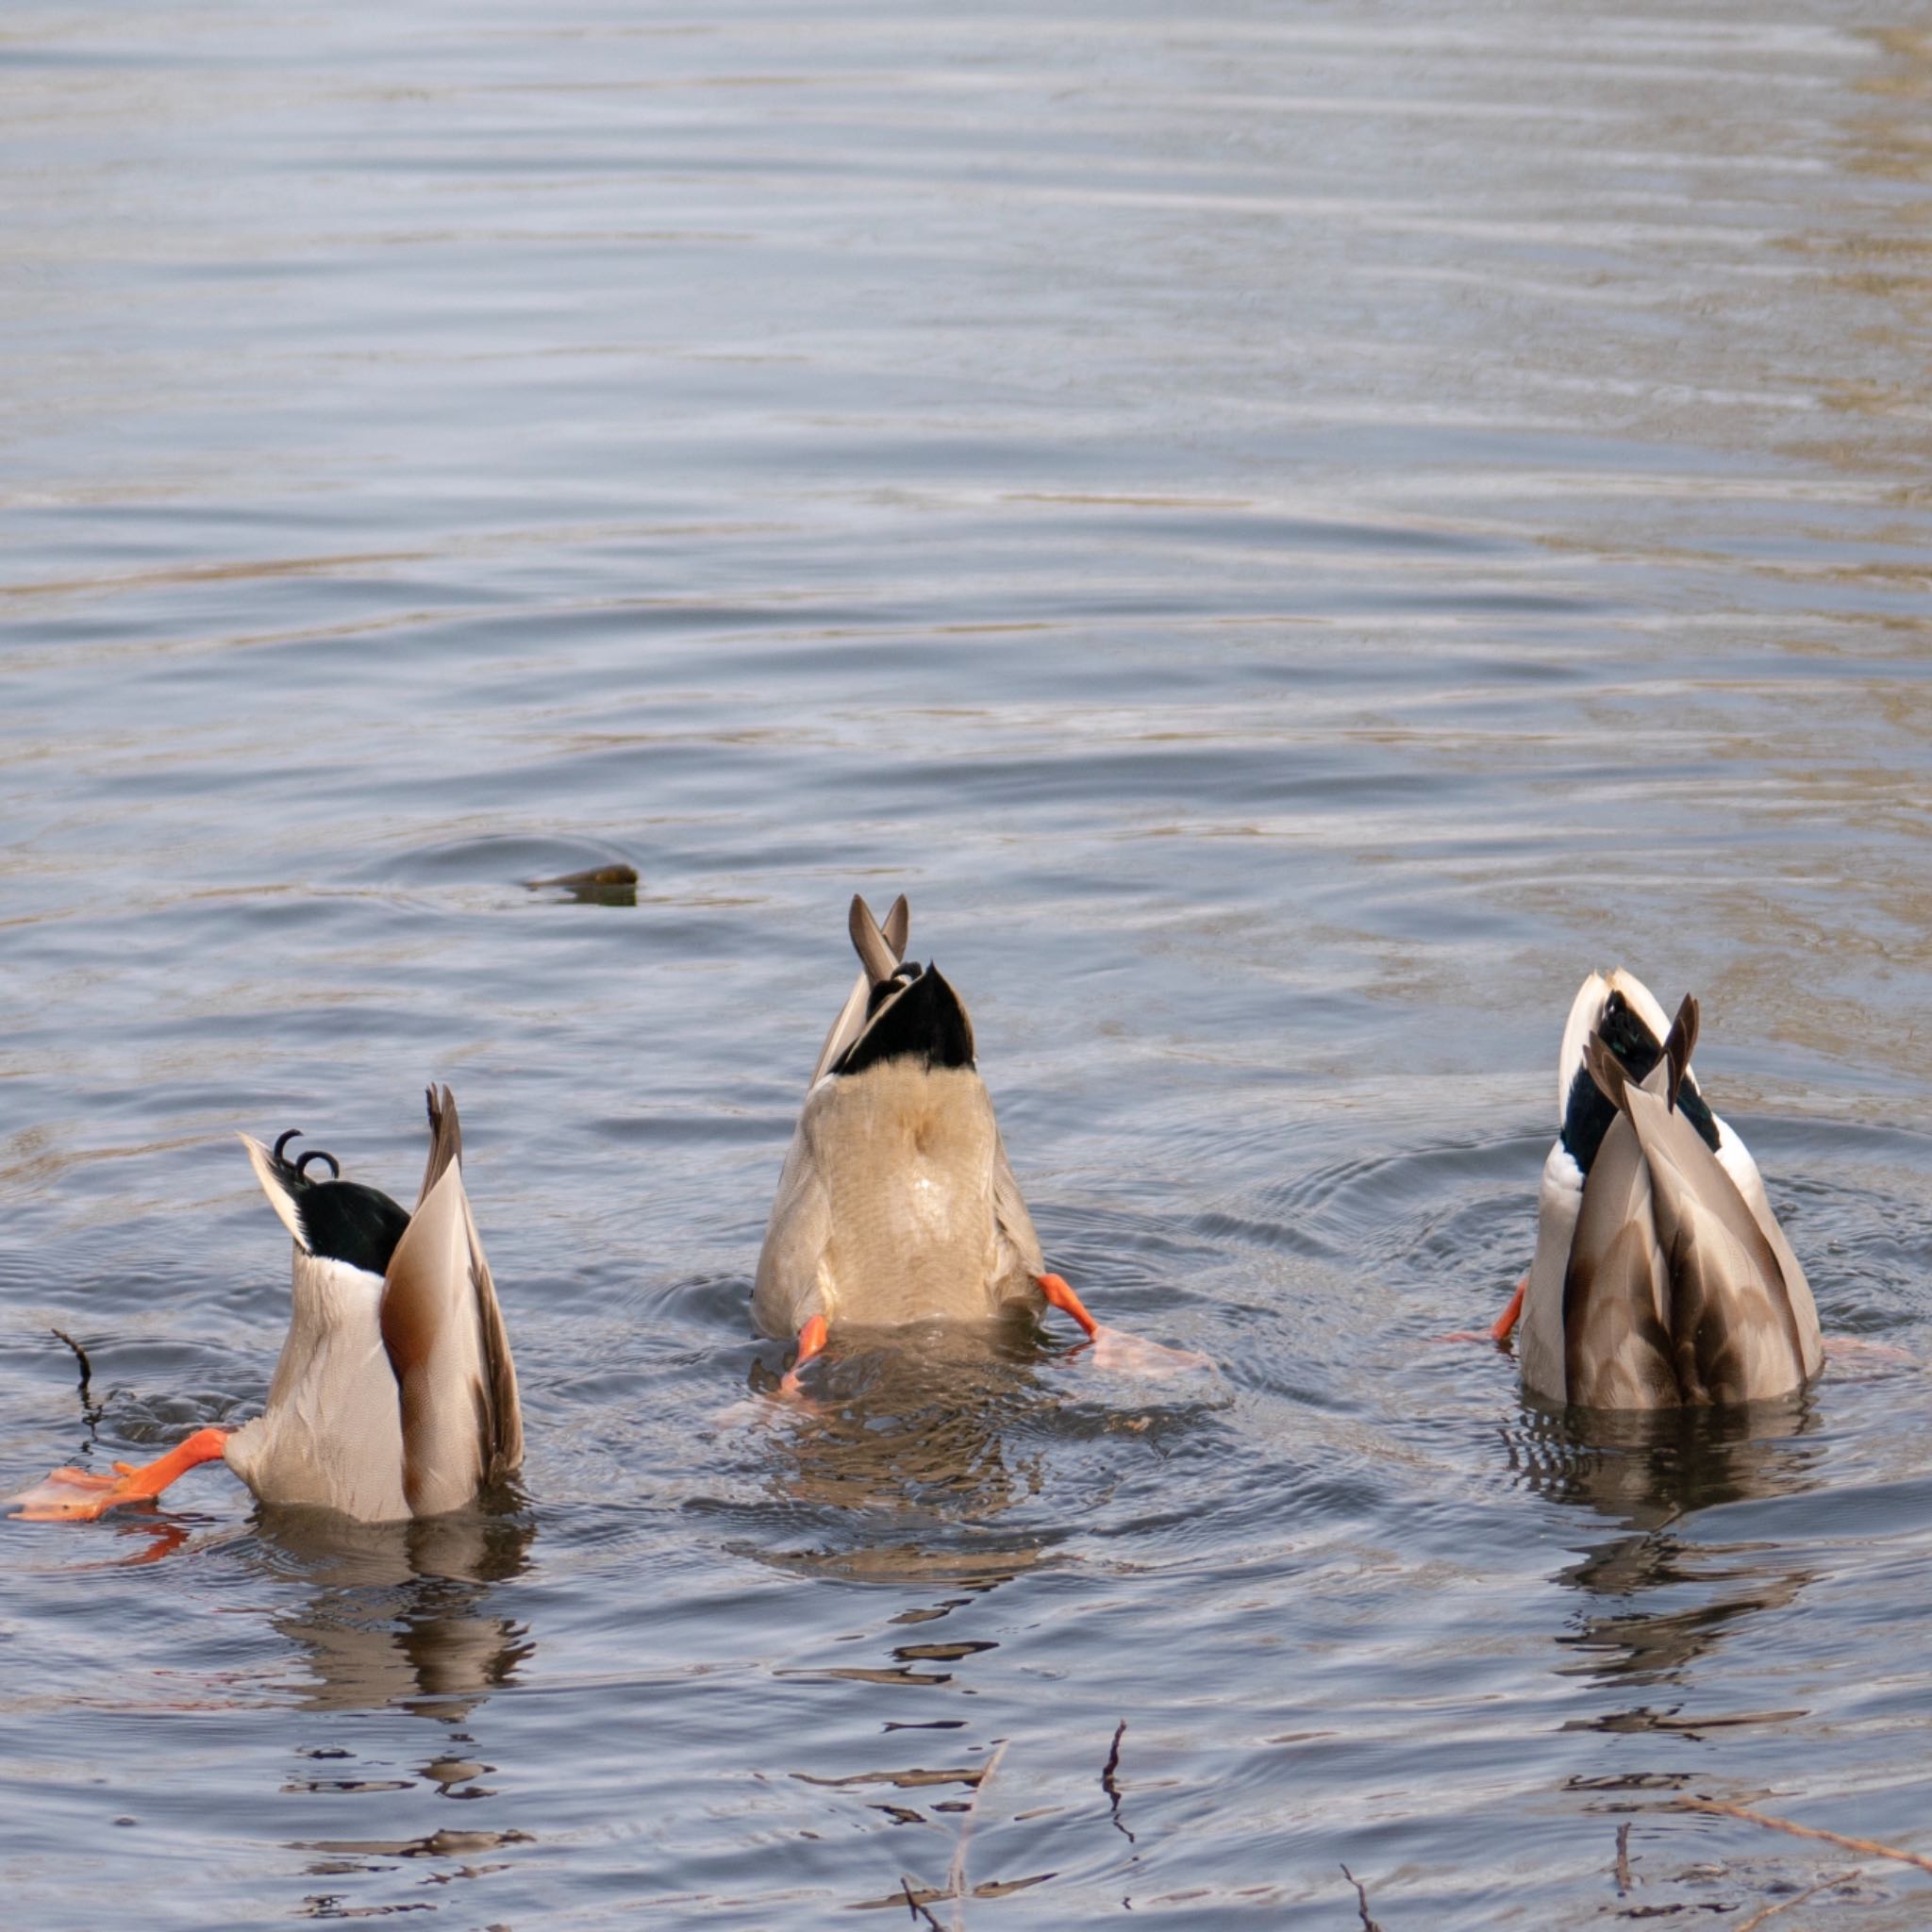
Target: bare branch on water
column 1361, row 1900
column 91, row 1410
column 913, row 1906
column 1784, row 1904
column 87, row 1369
column 1870, row 1846
column 1109, row 1783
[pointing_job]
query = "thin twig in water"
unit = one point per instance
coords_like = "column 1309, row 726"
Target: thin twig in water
column 1784, row 1904
column 956, row 1879
column 1868, row 1846
column 87, row 1369
column 1109, row 1784
column 1623, row 1860
column 91, row 1410
column 917, row 1910
column 1361, row 1899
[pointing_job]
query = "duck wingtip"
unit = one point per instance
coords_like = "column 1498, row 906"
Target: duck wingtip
column 873, row 942
column 446, row 1137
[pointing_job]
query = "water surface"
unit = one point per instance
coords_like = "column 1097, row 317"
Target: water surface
column 1293, row 535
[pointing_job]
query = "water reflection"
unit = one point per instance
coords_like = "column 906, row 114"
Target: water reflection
column 399, row 1612
column 905, row 1462
column 1644, row 1470
column 1657, row 1600
column 902, row 1456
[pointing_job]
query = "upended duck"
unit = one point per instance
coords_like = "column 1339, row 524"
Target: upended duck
column 395, row 1395
column 897, row 1202
column 1661, row 1277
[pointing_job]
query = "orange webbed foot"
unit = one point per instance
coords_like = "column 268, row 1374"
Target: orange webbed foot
column 1847, row 1347
column 1113, row 1349
column 77, row 1495
column 1500, row 1329
column 1122, row 1354
column 67, row 1495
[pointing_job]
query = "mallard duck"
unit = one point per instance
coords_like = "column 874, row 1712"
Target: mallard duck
column 897, row 1202
column 1661, row 1276
column 395, row 1395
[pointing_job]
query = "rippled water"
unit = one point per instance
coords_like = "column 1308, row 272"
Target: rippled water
column 1291, row 534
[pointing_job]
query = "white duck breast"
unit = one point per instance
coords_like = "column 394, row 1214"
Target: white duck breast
column 1661, row 1276
column 896, row 1202
column 396, row 1394
column 331, row 1435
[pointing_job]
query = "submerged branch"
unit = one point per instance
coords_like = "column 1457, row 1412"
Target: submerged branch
column 1870, row 1846
column 1361, row 1899
column 87, row 1369
column 1109, row 1784
column 913, row 1906
column 1786, row 1904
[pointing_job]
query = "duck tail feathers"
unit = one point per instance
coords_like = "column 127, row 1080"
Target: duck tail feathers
column 279, row 1182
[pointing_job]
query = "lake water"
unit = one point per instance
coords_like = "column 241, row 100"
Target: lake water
column 1292, row 533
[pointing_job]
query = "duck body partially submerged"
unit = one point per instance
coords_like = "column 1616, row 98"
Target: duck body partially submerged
column 897, row 1202
column 1661, row 1276
column 395, row 1395
column 897, row 1205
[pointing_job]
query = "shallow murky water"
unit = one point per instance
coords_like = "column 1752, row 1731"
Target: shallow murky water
column 1292, row 535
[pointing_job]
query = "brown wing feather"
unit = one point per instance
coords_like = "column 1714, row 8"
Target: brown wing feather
column 1679, row 1044
column 501, row 1421
column 445, row 1139
column 1734, row 1332
column 897, row 926
column 850, row 1022
column 1606, row 1070
column 503, row 1424
column 869, row 941
column 1616, row 1350
column 445, row 1340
